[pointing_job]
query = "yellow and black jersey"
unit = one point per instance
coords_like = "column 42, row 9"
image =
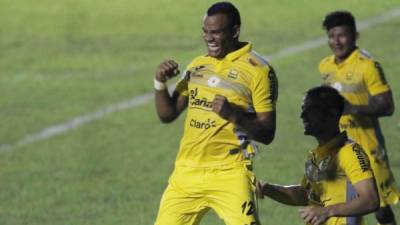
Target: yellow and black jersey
column 245, row 79
column 331, row 171
column 358, row 78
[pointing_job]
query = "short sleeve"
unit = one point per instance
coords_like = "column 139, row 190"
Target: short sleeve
column 354, row 162
column 374, row 79
column 182, row 84
column 265, row 90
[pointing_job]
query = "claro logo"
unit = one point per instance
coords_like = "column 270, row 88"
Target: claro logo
column 202, row 125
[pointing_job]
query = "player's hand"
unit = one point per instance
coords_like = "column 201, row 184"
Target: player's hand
column 222, row 107
column 314, row 215
column 167, row 70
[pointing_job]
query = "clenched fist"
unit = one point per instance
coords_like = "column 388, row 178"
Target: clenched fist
column 223, row 107
column 167, row 70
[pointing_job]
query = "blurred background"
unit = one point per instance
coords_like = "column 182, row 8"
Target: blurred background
column 80, row 142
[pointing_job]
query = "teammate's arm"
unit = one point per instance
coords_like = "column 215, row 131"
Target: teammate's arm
column 367, row 201
column 259, row 126
column 295, row 195
column 168, row 107
column 378, row 105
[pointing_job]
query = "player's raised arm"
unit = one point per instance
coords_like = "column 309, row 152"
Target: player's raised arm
column 168, row 107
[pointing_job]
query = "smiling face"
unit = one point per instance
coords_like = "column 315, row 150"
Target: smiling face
column 221, row 38
column 342, row 41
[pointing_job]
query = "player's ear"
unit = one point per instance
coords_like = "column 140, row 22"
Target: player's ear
column 236, row 31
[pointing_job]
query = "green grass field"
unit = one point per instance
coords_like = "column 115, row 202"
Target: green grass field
column 62, row 59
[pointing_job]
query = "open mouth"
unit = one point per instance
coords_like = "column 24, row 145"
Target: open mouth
column 213, row 47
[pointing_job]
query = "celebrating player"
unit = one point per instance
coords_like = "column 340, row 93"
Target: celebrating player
column 362, row 83
column 338, row 186
column 230, row 94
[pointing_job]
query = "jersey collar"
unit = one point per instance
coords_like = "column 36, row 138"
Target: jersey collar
column 333, row 145
column 349, row 59
column 241, row 51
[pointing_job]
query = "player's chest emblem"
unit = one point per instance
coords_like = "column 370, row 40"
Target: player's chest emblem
column 317, row 171
column 349, row 76
column 233, row 74
column 213, row 81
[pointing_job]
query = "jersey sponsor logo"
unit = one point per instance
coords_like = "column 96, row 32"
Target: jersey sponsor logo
column 362, row 158
column 196, row 102
column 202, row 124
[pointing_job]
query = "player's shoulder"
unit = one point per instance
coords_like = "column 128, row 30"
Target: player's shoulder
column 352, row 153
column 366, row 58
column 199, row 60
column 326, row 63
column 259, row 64
column 352, row 149
column 326, row 60
column 257, row 60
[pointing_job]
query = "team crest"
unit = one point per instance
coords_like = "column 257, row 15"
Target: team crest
column 233, row 74
column 349, row 76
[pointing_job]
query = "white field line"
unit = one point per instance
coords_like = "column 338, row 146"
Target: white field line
column 143, row 99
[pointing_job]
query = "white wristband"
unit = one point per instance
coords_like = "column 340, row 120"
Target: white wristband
column 159, row 86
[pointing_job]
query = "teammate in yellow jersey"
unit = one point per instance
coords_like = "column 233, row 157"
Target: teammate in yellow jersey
column 230, row 94
column 361, row 81
column 338, row 186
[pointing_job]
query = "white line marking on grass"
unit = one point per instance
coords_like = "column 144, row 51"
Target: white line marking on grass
column 78, row 121
column 140, row 100
column 315, row 43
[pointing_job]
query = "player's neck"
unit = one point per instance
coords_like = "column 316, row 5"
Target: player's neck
column 328, row 135
column 340, row 59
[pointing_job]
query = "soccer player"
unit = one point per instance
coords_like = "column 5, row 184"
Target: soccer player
column 230, row 94
column 361, row 81
column 338, row 186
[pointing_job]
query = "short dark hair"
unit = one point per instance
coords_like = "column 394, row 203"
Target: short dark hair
column 326, row 98
column 228, row 9
column 339, row 18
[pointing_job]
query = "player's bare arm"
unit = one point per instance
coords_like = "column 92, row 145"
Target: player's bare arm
column 168, row 107
column 367, row 201
column 260, row 127
column 294, row 195
column 378, row 105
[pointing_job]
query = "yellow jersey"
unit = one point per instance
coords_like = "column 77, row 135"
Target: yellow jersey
column 358, row 78
column 245, row 79
column 331, row 171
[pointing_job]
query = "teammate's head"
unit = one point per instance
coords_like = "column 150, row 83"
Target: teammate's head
column 342, row 33
column 321, row 110
column 221, row 29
